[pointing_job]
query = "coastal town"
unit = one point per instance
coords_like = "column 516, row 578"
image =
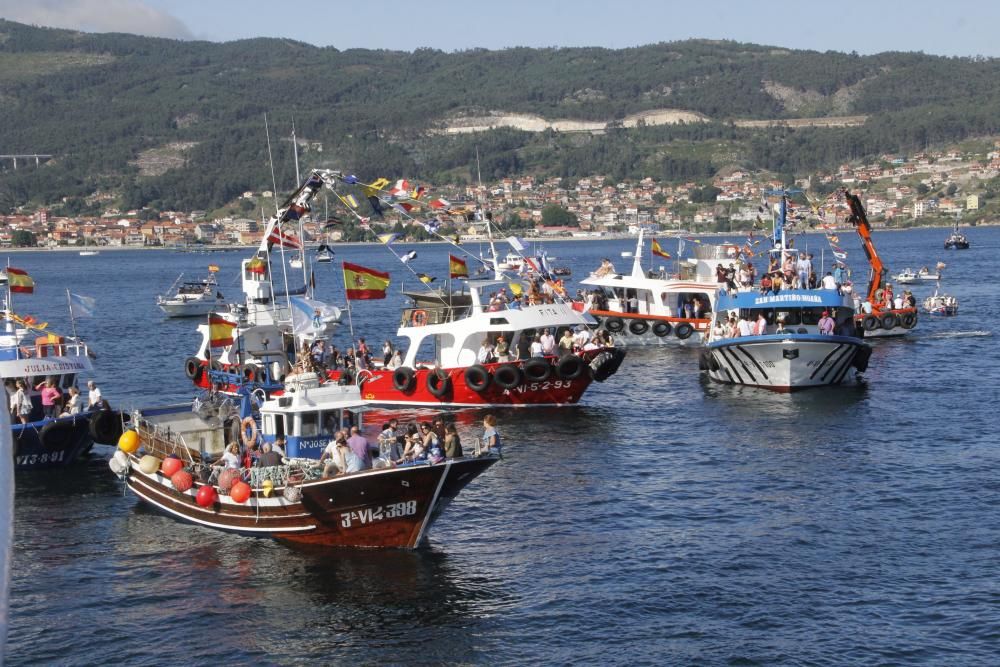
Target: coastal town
column 934, row 187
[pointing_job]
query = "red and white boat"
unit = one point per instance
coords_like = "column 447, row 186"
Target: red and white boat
column 654, row 307
column 450, row 329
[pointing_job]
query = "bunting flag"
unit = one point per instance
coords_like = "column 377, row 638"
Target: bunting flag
column 424, row 278
column 418, row 192
column 376, row 206
column 364, row 283
column 748, row 249
column 657, row 250
column 387, row 238
column 400, row 189
column 403, row 207
column 515, row 289
column 432, row 226
column 457, row 267
column 283, row 239
column 213, row 268
column 20, row 281
column 331, row 222
column 294, row 212
column 349, row 200
column 82, row 306
column 257, row 265
column 372, row 190
column 220, row 331
column 439, row 203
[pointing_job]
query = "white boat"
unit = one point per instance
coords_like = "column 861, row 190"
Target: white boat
column 192, row 298
column 941, row 304
column 324, row 254
column 790, row 353
column 654, row 308
column 88, row 253
column 911, row 277
column 295, row 262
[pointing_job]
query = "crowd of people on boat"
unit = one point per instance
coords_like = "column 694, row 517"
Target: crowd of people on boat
column 22, row 392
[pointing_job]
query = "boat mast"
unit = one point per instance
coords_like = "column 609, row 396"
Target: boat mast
column 302, row 238
column 497, row 274
column 637, row 258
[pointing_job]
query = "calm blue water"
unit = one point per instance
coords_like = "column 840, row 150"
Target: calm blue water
column 663, row 521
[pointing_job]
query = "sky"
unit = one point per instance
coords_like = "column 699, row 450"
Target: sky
column 952, row 28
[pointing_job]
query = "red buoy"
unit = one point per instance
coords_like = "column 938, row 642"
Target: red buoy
column 240, row 492
column 206, row 496
column 182, row 480
column 170, row 465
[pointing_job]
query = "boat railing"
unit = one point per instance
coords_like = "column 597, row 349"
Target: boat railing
column 53, row 346
column 162, row 441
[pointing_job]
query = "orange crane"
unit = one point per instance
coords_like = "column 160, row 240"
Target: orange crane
column 859, row 219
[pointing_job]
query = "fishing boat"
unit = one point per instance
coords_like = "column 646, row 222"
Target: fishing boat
column 450, row 329
column 167, row 463
column 876, row 313
column 270, row 318
column 956, row 240
column 193, row 298
column 911, row 277
column 32, row 354
column 652, row 307
column 793, row 340
column 941, row 304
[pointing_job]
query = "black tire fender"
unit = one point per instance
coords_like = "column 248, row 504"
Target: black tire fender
column 403, row 378
column 870, row 323
column 638, row 327
column 106, row 427
column 438, row 382
column 662, row 329
column 56, row 436
column 193, row 368
column 614, row 324
column 684, row 330
column 508, row 376
column 889, row 321
column 908, row 320
column 570, row 367
column 537, row 370
column 477, row 378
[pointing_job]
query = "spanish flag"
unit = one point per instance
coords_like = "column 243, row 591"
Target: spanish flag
column 257, row 265
column 657, row 250
column 457, row 267
column 213, row 268
column 364, row 283
column 20, row 281
column 220, row 331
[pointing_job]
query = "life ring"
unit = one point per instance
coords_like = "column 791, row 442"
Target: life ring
column 438, row 382
column 537, row 370
column 614, row 324
column 908, row 320
column 889, row 321
column 418, row 318
column 870, row 323
column 403, row 378
column 662, row 329
column 570, row 367
column 251, row 440
column 477, row 378
column 193, row 368
column 638, row 327
column 56, row 436
column 105, row 427
column 508, row 376
column 684, row 330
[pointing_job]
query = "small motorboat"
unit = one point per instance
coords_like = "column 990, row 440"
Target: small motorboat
column 88, row 253
column 957, row 240
column 193, row 299
column 324, row 254
column 910, row 277
column 295, row 262
column 941, row 304
column 562, row 271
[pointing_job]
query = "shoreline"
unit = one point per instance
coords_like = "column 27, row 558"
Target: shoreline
column 526, row 239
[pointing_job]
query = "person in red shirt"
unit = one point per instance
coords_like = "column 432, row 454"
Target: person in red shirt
column 51, row 398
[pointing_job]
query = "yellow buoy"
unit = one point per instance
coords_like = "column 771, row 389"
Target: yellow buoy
column 129, row 442
column 149, row 464
column 267, row 487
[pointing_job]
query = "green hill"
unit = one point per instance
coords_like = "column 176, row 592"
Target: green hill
column 180, row 124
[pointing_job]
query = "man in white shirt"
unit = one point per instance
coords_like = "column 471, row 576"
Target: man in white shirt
column 804, row 268
column 94, row 395
column 548, row 343
column 581, row 336
column 536, row 347
column 746, row 326
column 829, row 282
column 485, row 352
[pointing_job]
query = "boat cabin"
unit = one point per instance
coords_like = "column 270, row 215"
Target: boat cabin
column 789, row 312
column 309, row 413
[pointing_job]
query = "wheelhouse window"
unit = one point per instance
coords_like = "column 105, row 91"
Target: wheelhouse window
column 308, row 424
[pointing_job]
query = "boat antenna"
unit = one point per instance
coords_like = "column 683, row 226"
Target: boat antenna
column 270, row 159
column 497, row 274
column 72, row 319
column 302, row 238
column 637, row 259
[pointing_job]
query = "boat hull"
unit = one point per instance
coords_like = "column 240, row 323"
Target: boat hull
column 389, row 508
column 190, row 308
column 53, row 444
column 378, row 386
column 785, row 363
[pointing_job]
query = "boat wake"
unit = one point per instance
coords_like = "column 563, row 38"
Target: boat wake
column 961, row 334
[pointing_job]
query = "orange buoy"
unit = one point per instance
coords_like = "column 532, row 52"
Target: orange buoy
column 206, row 496
column 182, row 480
column 170, row 465
column 240, row 492
column 129, row 442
